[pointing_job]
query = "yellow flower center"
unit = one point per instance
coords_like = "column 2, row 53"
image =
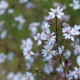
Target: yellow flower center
column 48, row 51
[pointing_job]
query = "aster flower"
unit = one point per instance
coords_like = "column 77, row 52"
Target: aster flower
column 59, row 69
column 33, row 27
column 49, row 17
column 76, row 29
column 3, row 34
column 76, row 72
column 27, row 46
column 20, row 19
column 76, row 49
column 3, row 6
column 48, row 52
column 67, row 54
column 29, row 76
column 65, row 24
column 38, row 37
column 18, row 76
column 10, row 76
column 56, row 12
column 30, row 5
column 75, row 5
column 32, row 59
column 45, row 28
column 61, row 48
column 27, row 53
column 44, row 22
column 68, row 33
column 65, row 17
column 10, row 11
column 2, row 57
column 28, row 66
column 55, row 4
column 10, row 56
column 48, row 36
column 48, row 68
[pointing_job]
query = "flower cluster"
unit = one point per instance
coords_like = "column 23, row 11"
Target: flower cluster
column 21, row 21
column 52, row 48
column 3, row 6
column 27, row 46
column 70, row 33
column 20, row 76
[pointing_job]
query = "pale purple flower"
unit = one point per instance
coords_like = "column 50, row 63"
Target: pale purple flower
column 45, row 28
column 48, row 52
column 28, row 66
column 67, row 54
column 76, row 72
column 48, row 68
column 38, row 38
column 2, row 57
column 3, row 34
column 76, row 49
column 27, row 53
column 29, row 76
column 10, row 11
column 48, row 36
column 75, row 5
column 33, row 27
column 3, row 6
column 59, row 69
column 10, row 56
column 68, row 33
column 10, row 76
column 20, row 19
column 56, row 12
column 30, row 5
column 27, row 46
